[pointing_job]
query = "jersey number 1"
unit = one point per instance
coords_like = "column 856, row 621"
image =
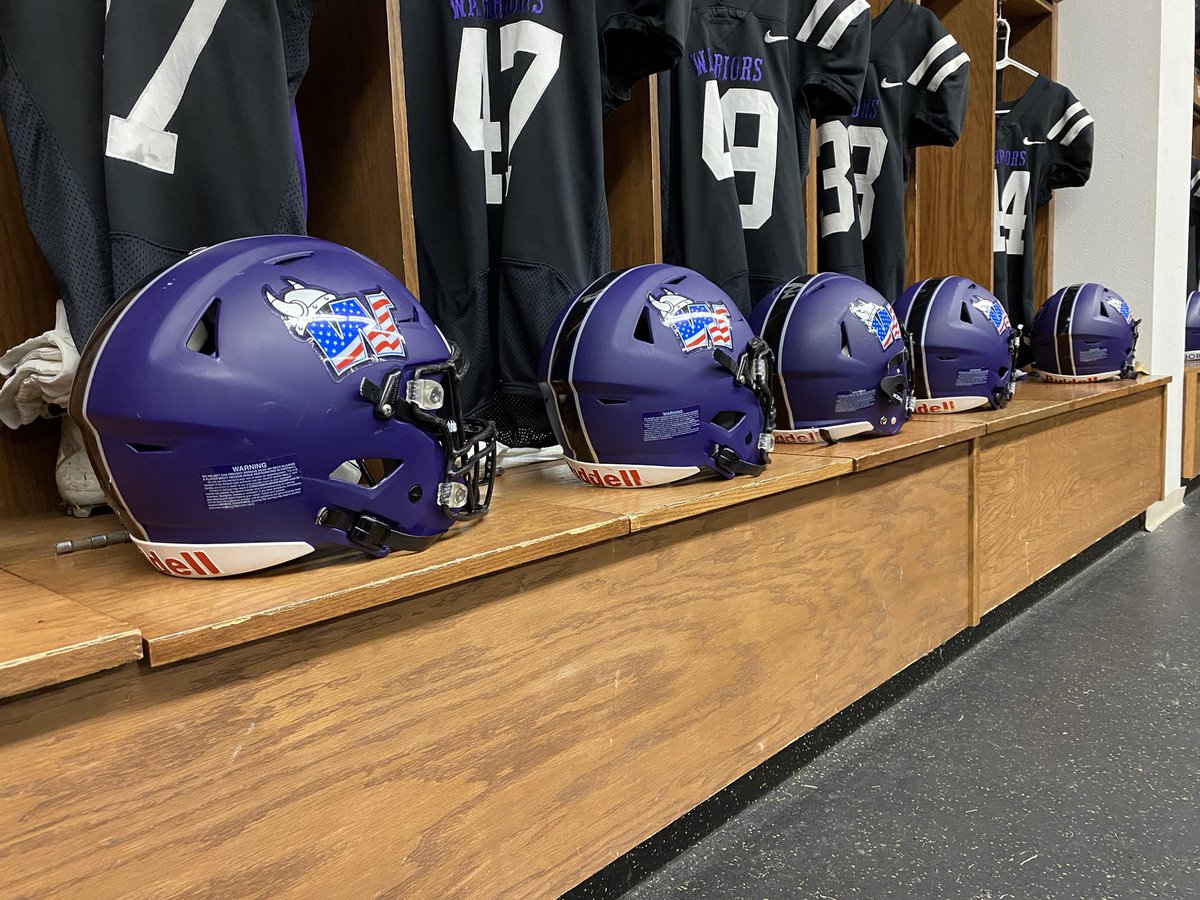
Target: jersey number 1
column 142, row 137
column 473, row 98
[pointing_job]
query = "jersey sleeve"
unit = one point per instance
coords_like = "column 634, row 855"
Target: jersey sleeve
column 938, row 85
column 835, row 48
column 638, row 38
column 1070, row 140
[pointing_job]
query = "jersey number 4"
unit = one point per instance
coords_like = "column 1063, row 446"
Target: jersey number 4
column 843, row 140
column 1010, row 213
column 142, row 137
column 473, row 99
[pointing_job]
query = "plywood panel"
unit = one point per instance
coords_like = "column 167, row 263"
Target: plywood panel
column 505, row 737
column 1051, row 489
column 633, row 179
column 46, row 639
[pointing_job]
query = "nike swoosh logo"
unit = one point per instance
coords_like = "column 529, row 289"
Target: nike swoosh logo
column 772, row 38
column 890, row 84
column 1029, row 143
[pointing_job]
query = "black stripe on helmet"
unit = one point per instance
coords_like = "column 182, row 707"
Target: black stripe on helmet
column 558, row 374
column 1062, row 329
column 914, row 323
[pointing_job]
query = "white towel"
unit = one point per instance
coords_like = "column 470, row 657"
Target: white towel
column 515, row 457
column 39, row 372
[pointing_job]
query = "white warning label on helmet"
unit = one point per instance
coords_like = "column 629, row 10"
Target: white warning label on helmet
column 853, row 401
column 670, row 423
column 1093, row 355
column 248, row 484
column 971, row 377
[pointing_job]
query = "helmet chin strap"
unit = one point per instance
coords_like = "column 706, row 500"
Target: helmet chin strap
column 751, row 369
column 1128, row 371
column 373, row 534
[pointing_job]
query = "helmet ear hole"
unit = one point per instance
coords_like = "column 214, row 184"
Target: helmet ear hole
column 642, row 331
column 1104, row 310
column 366, row 473
column 728, row 419
column 203, row 338
column 1002, row 371
column 964, row 312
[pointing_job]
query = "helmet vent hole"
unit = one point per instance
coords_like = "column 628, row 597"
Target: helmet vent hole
column 148, row 448
column 728, row 419
column 678, row 279
column 366, row 473
column 203, row 338
column 642, row 332
column 289, row 258
column 1104, row 310
column 612, row 401
column 964, row 312
column 946, row 358
column 845, row 341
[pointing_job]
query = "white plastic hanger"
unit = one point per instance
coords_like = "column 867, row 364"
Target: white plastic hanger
column 1004, row 34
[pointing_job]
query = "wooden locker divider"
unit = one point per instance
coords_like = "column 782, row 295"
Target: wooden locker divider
column 27, row 455
column 954, row 190
column 633, row 179
column 352, row 118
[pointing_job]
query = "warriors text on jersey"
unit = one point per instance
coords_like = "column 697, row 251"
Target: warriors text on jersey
column 135, row 138
column 1043, row 142
column 735, row 116
column 505, row 107
column 915, row 95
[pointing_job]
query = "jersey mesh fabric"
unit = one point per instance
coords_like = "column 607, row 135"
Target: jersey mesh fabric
column 915, row 95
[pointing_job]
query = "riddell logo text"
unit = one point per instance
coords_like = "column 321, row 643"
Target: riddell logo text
column 798, row 437
column 191, row 564
column 621, row 478
column 927, row 407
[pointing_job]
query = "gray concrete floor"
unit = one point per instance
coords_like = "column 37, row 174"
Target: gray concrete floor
column 1053, row 753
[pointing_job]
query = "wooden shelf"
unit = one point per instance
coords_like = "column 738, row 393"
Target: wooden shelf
column 923, row 434
column 1027, row 9
column 46, row 639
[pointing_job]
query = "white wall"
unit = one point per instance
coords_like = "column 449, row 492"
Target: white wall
column 1131, row 64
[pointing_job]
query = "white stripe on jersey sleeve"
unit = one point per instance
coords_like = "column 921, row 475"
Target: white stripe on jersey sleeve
column 1073, row 110
column 853, row 9
column 931, row 57
column 1196, row 185
column 1074, row 132
column 947, row 70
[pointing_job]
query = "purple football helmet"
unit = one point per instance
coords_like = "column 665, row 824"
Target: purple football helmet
column 841, row 359
column 1191, row 346
column 269, row 396
column 1085, row 332
column 651, row 375
column 964, row 347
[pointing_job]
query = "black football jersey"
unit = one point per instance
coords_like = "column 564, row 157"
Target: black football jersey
column 1193, row 270
column 734, row 133
column 505, row 113
column 143, row 129
column 1043, row 142
column 915, row 95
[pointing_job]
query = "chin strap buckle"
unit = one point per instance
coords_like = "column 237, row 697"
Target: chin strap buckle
column 375, row 535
